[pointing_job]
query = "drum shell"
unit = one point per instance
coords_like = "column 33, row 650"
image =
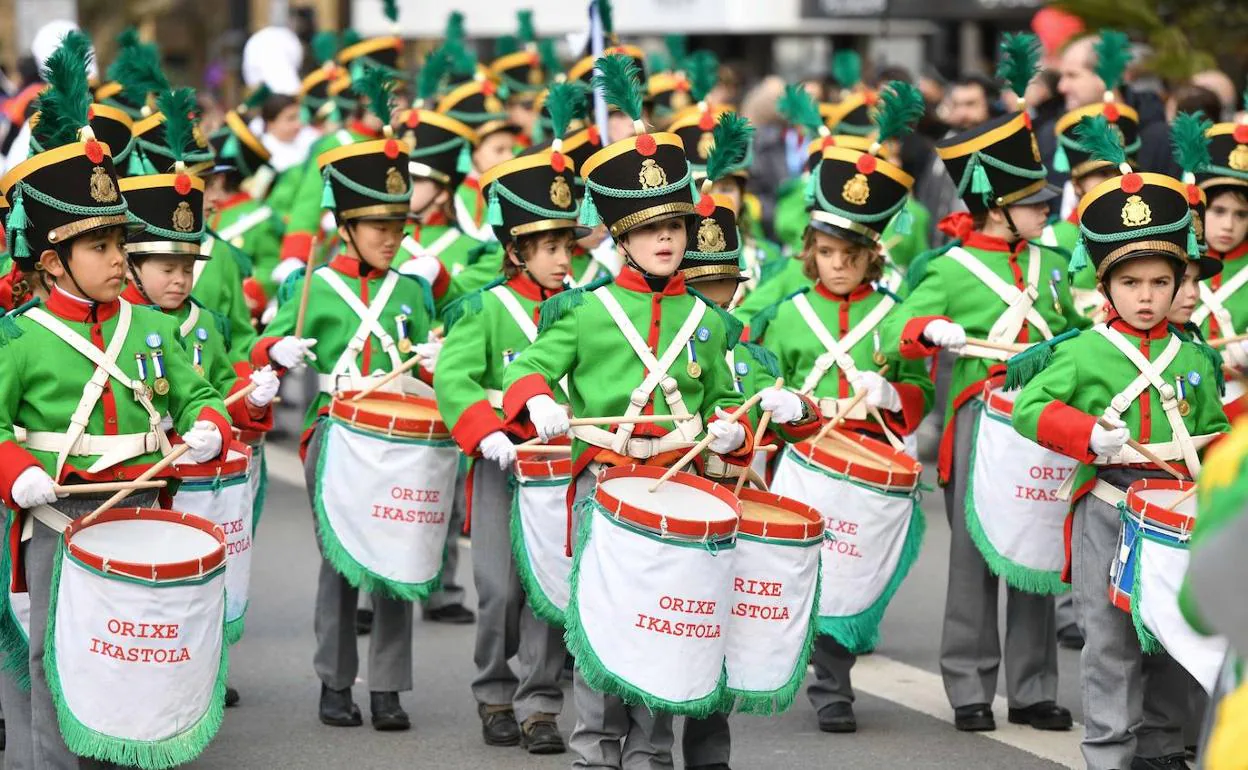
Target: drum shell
column 830, row 454
column 371, row 416
column 752, row 525
column 667, row 523
column 151, row 572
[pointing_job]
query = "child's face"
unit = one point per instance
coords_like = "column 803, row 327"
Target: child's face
column 549, row 259
column 1030, row 220
column 494, row 149
column 619, row 126
column 166, row 279
column 426, row 194
column 842, row 266
column 721, row 291
column 658, row 247
column 522, row 114
column 1188, row 298
column 1142, row 291
column 285, row 127
column 373, row 241
column 214, row 193
column 731, row 188
column 98, row 264
column 1226, row 221
column 1085, row 183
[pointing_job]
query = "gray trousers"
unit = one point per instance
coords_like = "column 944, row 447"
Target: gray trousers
column 970, row 646
column 832, row 664
column 337, row 661
column 1133, row 704
column 706, row 741
column 506, row 626
column 608, row 732
column 1064, row 611
column 47, row 748
column 451, row 592
column 18, row 747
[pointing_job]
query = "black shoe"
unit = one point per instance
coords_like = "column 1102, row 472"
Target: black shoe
column 498, row 725
column 541, row 735
column 1171, row 762
column 1045, row 715
column 838, row 718
column 337, row 708
column 3, row 736
column 455, row 614
column 976, row 718
column 388, row 715
column 231, row 697
column 1069, row 638
column 363, row 621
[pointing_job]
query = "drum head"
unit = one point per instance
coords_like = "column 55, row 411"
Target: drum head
column 150, row 544
column 864, row 459
column 772, row 516
column 391, row 414
column 685, row 505
column 1154, row 500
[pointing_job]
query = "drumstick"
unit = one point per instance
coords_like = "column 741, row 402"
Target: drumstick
column 637, row 418
column 1183, row 498
column 697, row 448
column 233, row 398
column 758, row 436
column 1144, row 451
column 303, row 296
column 840, row 417
column 1224, row 341
column 1006, row 347
column 107, row 486
column 544, row 449
column 389, row 378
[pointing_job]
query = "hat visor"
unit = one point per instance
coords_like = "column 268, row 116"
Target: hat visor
column 382, row 217
column 739, row 278
column 845, row 235
column 1043, row 195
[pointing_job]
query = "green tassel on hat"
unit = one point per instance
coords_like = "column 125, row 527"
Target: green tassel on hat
column 1078, row 257
column 494, row 210
column 463, row 164
column 693, row 186
column 1193, row 243
column 589, row 212
column 232, row 148
column 305, row 114
column 980, row 183
column 327, row 194
column 903, row 223
column 812, row 183
column 1060, row 161
column 134, row 166
column 148, row 167
column 17, row 224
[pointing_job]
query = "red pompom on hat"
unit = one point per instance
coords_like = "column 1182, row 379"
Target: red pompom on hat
column 593, row 135
column 646, row 145
column 557, row 162
column 705, row 206
column 488, row 88
column 707, row 121
column 392, row 149
column 828, row 141
column 1111, row 112
column 95, row 153
column 866, row 163
column 1132, row 183
column 413, row 118
column 1193, row 195
column 1241, row 133
column 182, row 184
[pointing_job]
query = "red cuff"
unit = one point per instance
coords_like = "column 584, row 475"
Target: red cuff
column 442, row 282
column 297, row 245
column 515, row 400
column 13, row 460
column 253, row 294
column 912, row 344
column 260, row 353
column 742, row 455
column 795, row 433
column 1066, row 430
column 424, row 375
column 243, row 414
column 476, row 422
column 223, row 426
column 906, row 420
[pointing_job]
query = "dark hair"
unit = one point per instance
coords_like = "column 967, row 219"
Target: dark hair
column 990, row 89
column 1179, row 268
column 894, row 72
column 273, row 106
column 1217, row 191
column 875, row 260
column 525, row 245
column 1192, row 98
column 28, row 70
column 1050, row 79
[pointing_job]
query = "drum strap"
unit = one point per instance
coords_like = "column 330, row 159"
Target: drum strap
column 1212, row 303
column 1048, row 236
column 191, row 319
column 731, row 358
column 838, row 351
column 1019, row 304
column 368, row 321
column 50, row 518
column 1151, row 374
column 591, row 270
column 514, row 309
column 105, row 366
column 244, row 224
column 656, row 377
column 463, row 217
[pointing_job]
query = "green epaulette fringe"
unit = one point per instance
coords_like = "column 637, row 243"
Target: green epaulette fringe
column 9, row 329
column 918, row 266
column 733, row 327
column 1021, row 368
column 771, row 268
column 763, row 318
column 426, row 295
column 287, row 291
column 764, row 357
column 557, row 306
column 887, row 292
column 481, row 249
column 469, row 304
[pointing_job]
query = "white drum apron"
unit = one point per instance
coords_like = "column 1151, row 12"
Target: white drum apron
column 1013, row 512
column 775, row 601
column 383, row 506
column 136, row 659
column 874, row 529
column 539, row 526
column 651, row 588
column 221, row 492
column 257, row 474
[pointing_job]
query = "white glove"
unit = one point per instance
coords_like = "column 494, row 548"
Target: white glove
column 785, row 405
column 1237, row 355
column 880, row 392
column 289, row 352
column 945, row 334
column 266, row 383
column 428, row 352
column 285, row 268
column 270, row 312
column 426, row 266
column 204, row 441
column 32, row 487
column 728, row 436
column 498, row 448
column 548, row 417
column 1106, row 442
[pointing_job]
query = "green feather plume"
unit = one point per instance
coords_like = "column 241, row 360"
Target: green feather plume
column 324, row 46
column 349, row 38
column 847, row 68
column 391, row 10
column 798, row 107
column 506, row 45
column 606, row 14
column 1113, row 54
column 1021, row 368
column 565, row 102
column 179, row 108
column 463, row 61
column 454, row 28
column 375, row 85
column 658, row 61
column 900, row 107
column 257, row 97
column 620, row 82
column 702, row 69
column 732, row 135
column 432, row 73
column 1020, row 58
column 524, row 26
column 128, row 38
column 549, row 57
column 138, row 71
column 677, row 49
column 1190, row 143
column 64, row 104
column 1098, row 138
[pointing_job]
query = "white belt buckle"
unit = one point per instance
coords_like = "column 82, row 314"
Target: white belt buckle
column 640, row 448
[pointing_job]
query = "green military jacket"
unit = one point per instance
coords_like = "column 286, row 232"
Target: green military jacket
column 248, row 225
column 219, row 285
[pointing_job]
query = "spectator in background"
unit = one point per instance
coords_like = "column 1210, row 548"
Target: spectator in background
column 973, row 100
column 727, row 90
column 933, row 88
column 1046, row 106
column 285, row 136
column 1220, row 84
column 1190, row 97
column 21, row 104
column 774, row 144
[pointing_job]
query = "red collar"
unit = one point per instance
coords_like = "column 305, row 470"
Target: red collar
column 134, row 296
column 62, row 304
column 526, row 287
column 863, row 291
column 630, row 279
column 472, row 182
column 232, row 201
column 1073, row 218
column 363, row 129
column 977, row 240
column 436, row 218
column 1158, row 332
column 1235, row 253
column 354, row 267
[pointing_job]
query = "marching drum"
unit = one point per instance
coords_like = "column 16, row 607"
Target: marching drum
column 1014, row 513
column 385, row 485
column 1148, row 570
column 775, row 590
column 221, row 492
column 539, row 515
column 14, row 620
column 651, row 589
column 137, row 608
column 868, row 494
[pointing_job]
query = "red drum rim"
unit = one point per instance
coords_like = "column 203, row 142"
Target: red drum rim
column 1159, row 514
column 675, row 525
column 813, row 527
column 997, row 402
column 359, row 414
column 904, row 473
column 534, row 468
column 236, row 464
column 180, row 570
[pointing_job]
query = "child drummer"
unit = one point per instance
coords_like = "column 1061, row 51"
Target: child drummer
column 533, row 212
column 828, row 339
column 1081, row 399
column 366, row 187
column 68, row 221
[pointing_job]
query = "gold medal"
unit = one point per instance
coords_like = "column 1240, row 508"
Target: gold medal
column 1184, row 408
column 162, row 386
column 879, row 358
column 405, row 345
column 694, row 369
